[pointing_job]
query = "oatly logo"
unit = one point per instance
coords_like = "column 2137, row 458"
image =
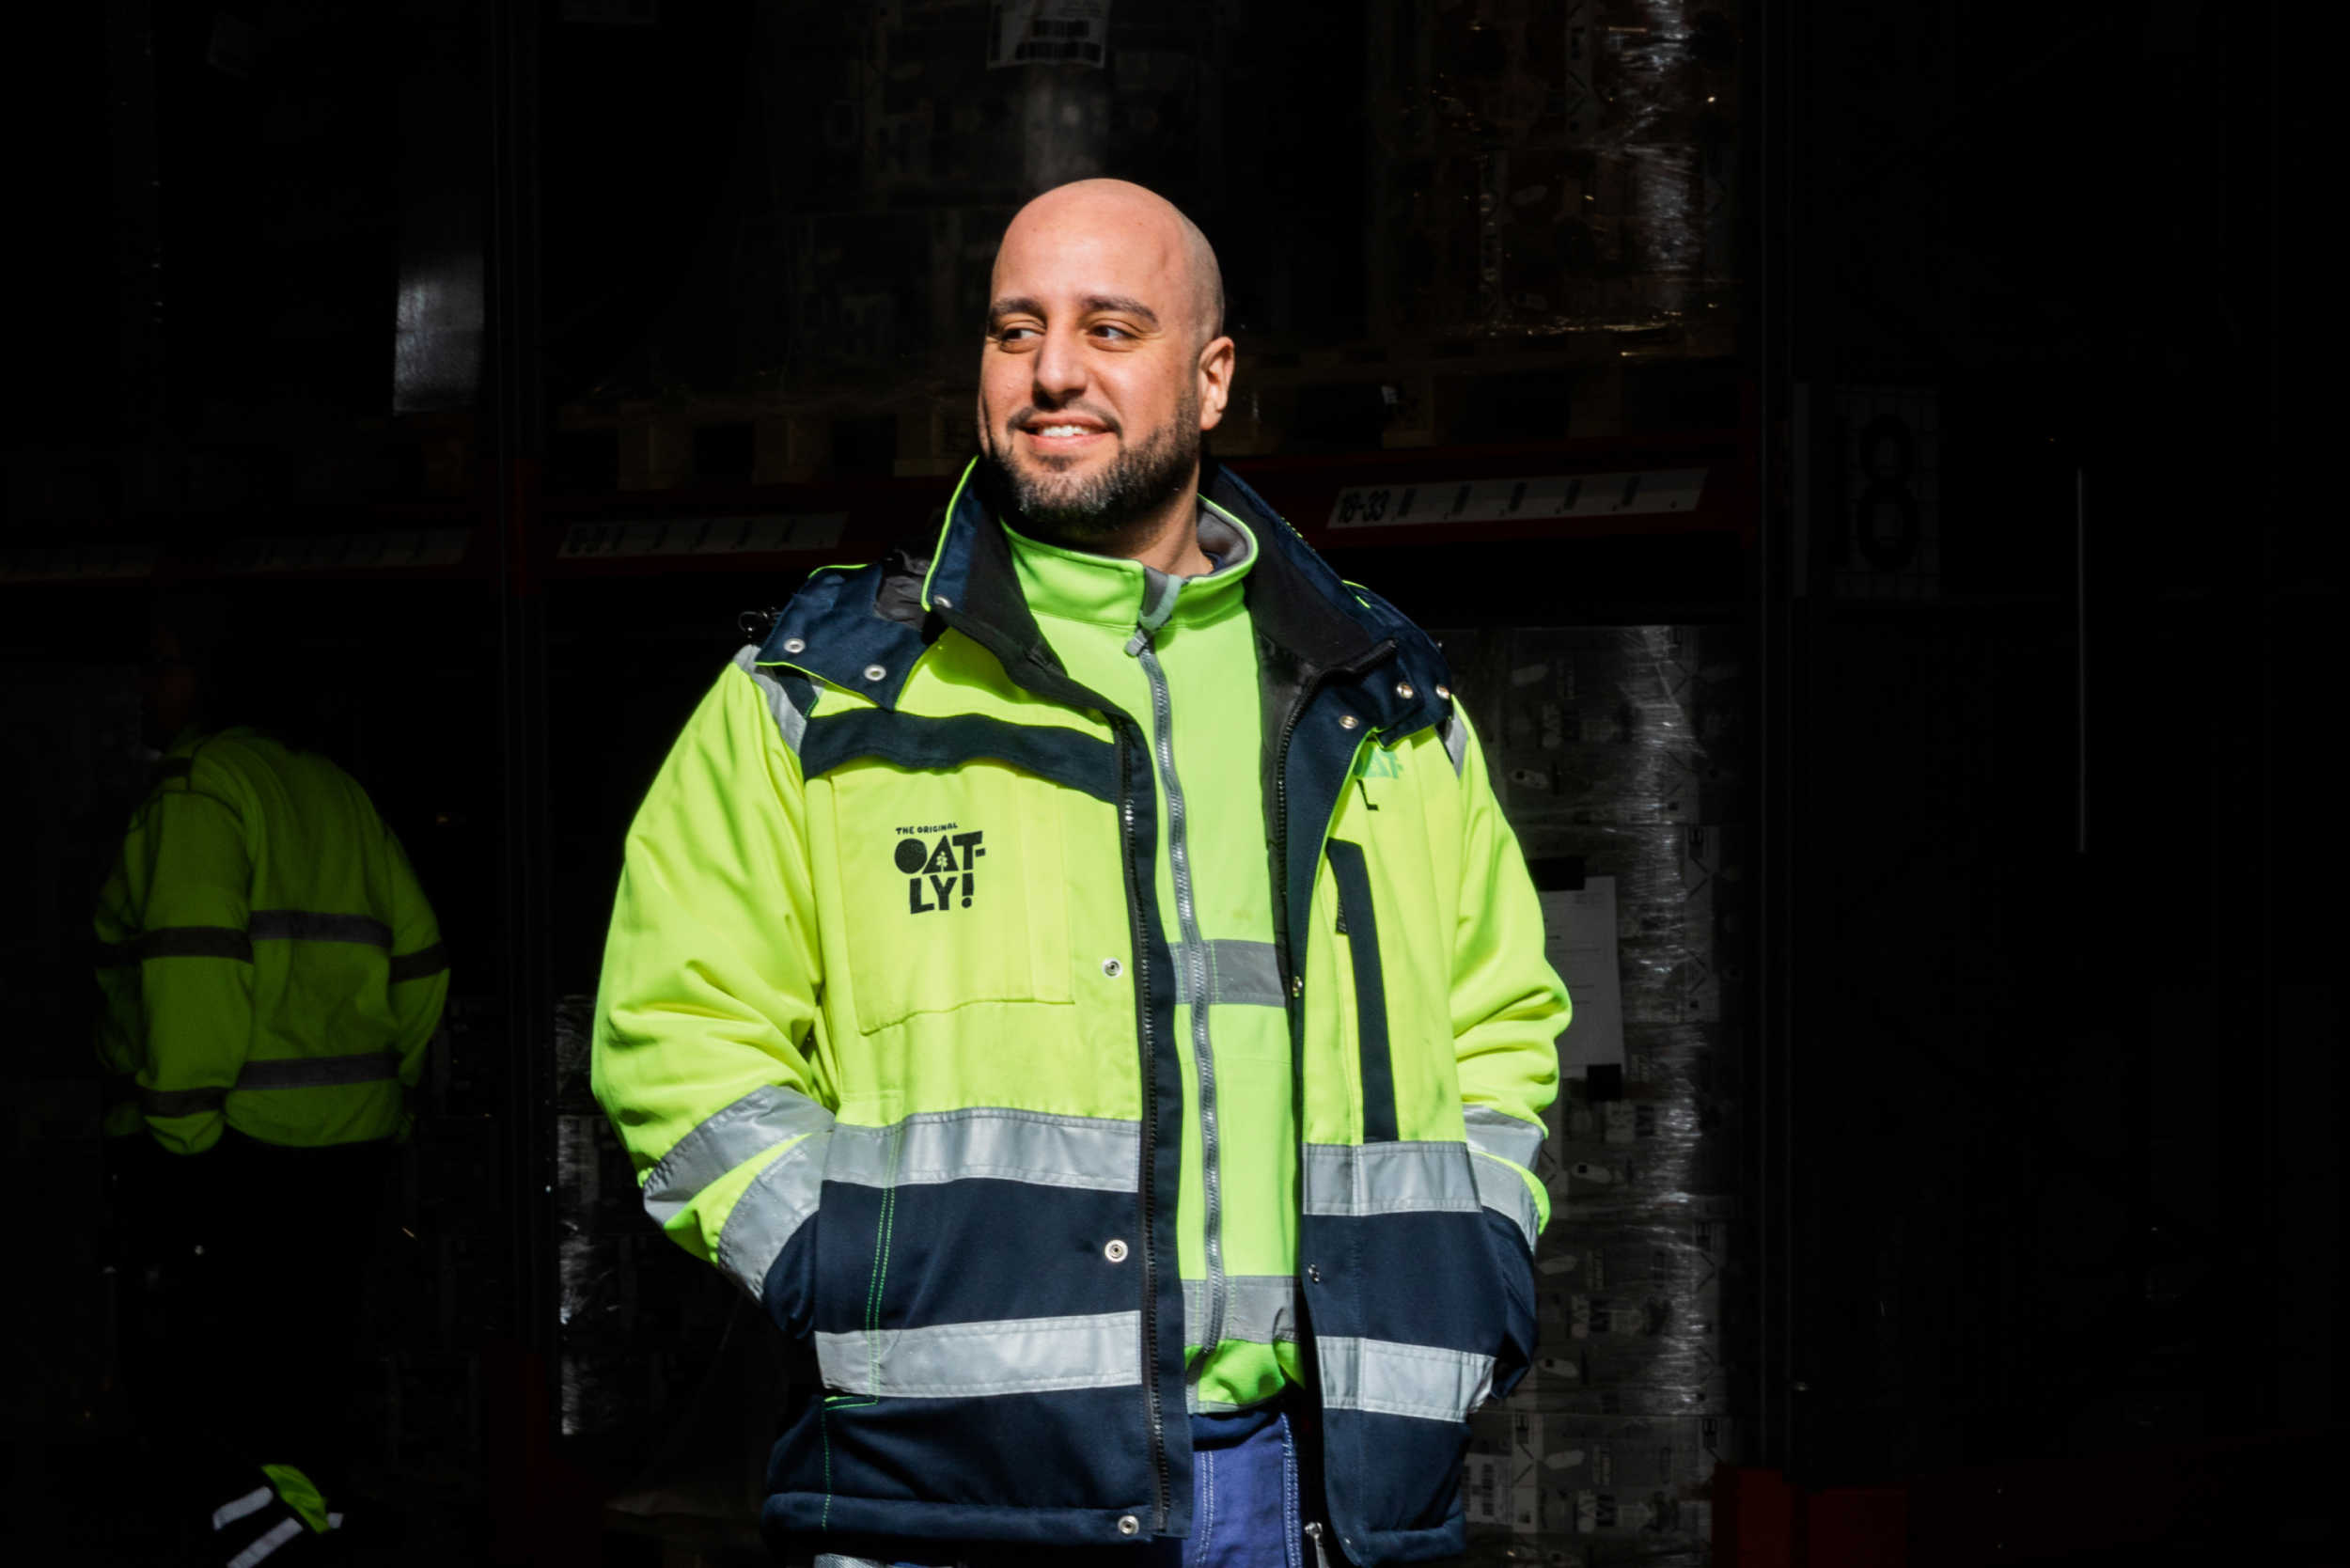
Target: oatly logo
column 937, row 861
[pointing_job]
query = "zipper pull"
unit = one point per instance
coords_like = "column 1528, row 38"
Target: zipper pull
column 1313, row 1533
column 1141, row 640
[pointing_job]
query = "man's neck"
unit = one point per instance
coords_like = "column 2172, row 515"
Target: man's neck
column 1167, row 540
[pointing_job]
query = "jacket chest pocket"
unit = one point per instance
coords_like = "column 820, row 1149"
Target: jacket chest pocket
column 951, row 889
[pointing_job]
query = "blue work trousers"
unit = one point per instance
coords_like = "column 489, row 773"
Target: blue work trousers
column 1246, row 1512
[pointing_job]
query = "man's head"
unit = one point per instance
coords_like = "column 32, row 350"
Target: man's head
column 185, row 631
column 1105, row 360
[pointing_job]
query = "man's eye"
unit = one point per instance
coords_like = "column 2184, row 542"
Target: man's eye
column 1012, row 334
column 1112, row 328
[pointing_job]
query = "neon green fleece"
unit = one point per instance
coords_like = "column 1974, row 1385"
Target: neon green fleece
column 1193, row 683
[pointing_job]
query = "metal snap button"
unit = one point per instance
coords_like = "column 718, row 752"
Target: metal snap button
column 1313, row 1272
column 1111, row 967
column 1404, row 689
column 1128, row 1524
column 1114, row 1251
column 874, row 672
column 1445, row 692
column 1348, row 721
column 794, row 645
column 941, row 602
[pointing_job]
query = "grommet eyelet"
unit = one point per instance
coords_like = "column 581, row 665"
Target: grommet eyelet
column 1111, row 967
column 794, row 645
column 1114, row 1251
column 1348, row 721
column 1129, row 1525
column 874, row 672
column 1403, row 689
column 1445, row 692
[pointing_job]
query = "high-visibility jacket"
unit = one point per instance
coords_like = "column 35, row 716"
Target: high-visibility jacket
column 888, row 1021
column 267, row 959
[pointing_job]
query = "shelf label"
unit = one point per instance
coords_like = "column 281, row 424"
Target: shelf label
column 1541, row 499
column 703, row 535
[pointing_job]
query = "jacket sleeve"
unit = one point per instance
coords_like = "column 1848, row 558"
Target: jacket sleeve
column 419, row 974
column 705, row 1052
column 175, row 954
column 1509, row 1006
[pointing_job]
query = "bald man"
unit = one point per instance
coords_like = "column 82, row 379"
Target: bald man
column 1074, row 974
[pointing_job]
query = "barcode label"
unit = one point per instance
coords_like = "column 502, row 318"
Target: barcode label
column 1546, row 498
column 703, row 535
column 1485, row 1489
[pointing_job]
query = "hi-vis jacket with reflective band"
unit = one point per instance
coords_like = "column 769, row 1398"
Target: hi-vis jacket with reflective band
column 267, row 960
column 944, row 1140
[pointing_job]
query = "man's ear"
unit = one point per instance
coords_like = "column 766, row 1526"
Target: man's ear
column 1215, row 382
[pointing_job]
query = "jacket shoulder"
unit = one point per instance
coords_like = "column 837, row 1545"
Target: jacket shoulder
column 857, row 627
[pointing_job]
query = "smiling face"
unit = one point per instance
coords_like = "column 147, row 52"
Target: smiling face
column 1104, row 363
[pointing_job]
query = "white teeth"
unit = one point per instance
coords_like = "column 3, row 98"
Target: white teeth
column 1061, row 430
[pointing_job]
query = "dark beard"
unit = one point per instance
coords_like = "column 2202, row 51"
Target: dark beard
column 1137, row 484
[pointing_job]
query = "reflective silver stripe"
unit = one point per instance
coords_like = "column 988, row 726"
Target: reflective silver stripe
column 1194, row 1406
column 788, row 717
column 1097, row 1153
column 974, row 1360
column 1501, row 1189
column 304, row 925
column 180, row 942
column 288, row 1073
column 1385, row 1379
column 1455, row 742
column 181, row 1102
column 1506, row 1136
column 274, row 1537
column 1261, row 1309
column 743, row 1130
column 1240, row 974
column 835, row 1559
column 252, row 1502
column 771, row 1211
column 319, row 1072
column 417, row 965
column 1358, row 1179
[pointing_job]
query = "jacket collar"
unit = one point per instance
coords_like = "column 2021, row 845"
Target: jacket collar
column 1300, row 608
column 862, row 628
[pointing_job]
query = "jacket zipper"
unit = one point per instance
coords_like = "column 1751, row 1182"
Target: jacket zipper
column 1145, row 1183
column 1281, row 786
column 1194, row 952
column 1280, row 892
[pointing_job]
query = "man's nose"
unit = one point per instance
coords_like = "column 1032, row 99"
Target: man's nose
column 1060, row 370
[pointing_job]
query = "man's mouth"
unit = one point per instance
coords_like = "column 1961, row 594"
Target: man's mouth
column 1060, row 436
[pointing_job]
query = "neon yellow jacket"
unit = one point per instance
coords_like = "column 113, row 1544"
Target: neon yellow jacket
column 267, row 959
column 888, row 1022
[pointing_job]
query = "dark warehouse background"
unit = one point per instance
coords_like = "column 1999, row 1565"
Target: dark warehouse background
column 1843, row 448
